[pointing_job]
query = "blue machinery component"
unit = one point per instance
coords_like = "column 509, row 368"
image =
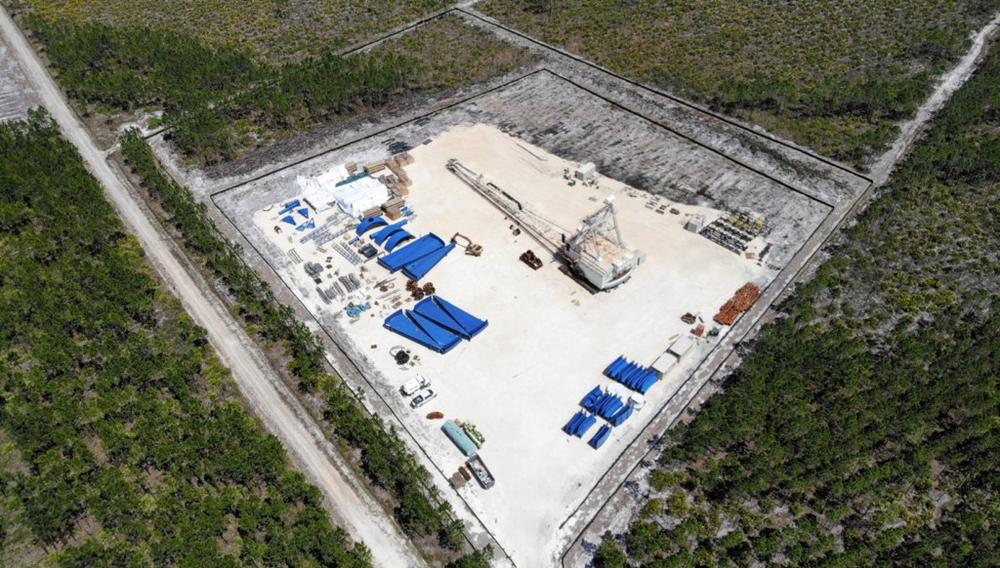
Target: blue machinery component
column 450, row 316
column 579, row 424
column 369, row 223
column 385, row 232
column 417, row 258
column 608, row 406
column 632, row 375
column 600, row 437
column 287, row 207
column 420, row 267
column 396, row 239
column 411, row 252
column 435, row 324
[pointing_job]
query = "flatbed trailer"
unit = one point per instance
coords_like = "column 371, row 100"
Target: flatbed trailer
column 480, row 471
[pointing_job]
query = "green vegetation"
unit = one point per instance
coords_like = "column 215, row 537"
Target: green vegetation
column 277, row 29
column 382, row 455
column 831, row 75
column 862, row 430
column 127, row 445
column 222, row 102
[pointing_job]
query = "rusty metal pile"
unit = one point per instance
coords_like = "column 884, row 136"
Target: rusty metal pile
column 739, row 303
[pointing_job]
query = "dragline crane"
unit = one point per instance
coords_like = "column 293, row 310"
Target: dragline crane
column 595, row 251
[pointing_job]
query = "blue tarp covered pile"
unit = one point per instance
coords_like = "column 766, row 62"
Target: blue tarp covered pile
column 436, row 324
column 417, row 258
column 632, row 375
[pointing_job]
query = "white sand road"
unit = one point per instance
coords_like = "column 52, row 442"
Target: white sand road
column 363, row 518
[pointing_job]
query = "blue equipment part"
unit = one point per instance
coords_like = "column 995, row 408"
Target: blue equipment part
column 591, row 398
column 600, row 437
column 411, row 252
column 304, row 212
column 369, row 223
column 609, row 408
column 351, row 178
column 612, row 369
column 288, row 219
column 570, row 426
column 584, row 425
column 285, row 208
column 310, row 224
column 420, row 267
column 621, row 416
column 466, row 325
column 648, row 382
column 444, row 338
column 431, row 310
column 470, row 323
column 400, row 322
column 396, row 239
column 385, row 232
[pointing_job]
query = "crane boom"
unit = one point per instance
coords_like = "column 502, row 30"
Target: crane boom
column 595, row 251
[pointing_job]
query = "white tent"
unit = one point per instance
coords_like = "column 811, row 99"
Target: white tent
column 353, row 198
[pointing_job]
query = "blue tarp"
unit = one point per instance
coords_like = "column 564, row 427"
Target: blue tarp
column 396, row 239
column 411, row 252
column 289, row 206
column 288, row 219
column 369, row 223
column 470, row 323
column 304, row 212
column 420, row 267
column 600, row 437
column 401, row 323
column 310, row 224
column 385, row 232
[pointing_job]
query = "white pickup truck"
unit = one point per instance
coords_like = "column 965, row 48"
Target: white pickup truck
column 415, row 384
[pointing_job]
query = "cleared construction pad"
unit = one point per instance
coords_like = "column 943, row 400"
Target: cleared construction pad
column 549, row 338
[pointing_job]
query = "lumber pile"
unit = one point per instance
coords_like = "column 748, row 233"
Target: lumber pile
column 739, row 303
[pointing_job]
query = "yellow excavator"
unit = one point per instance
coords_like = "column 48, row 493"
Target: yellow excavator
column 465, row 242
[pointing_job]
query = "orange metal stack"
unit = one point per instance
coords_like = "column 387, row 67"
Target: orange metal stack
column 739, row 303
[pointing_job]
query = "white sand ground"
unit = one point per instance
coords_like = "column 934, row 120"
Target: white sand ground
column 548, row 340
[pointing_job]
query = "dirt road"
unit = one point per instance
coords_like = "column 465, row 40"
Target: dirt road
column 947, row 84
column 357, row 512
